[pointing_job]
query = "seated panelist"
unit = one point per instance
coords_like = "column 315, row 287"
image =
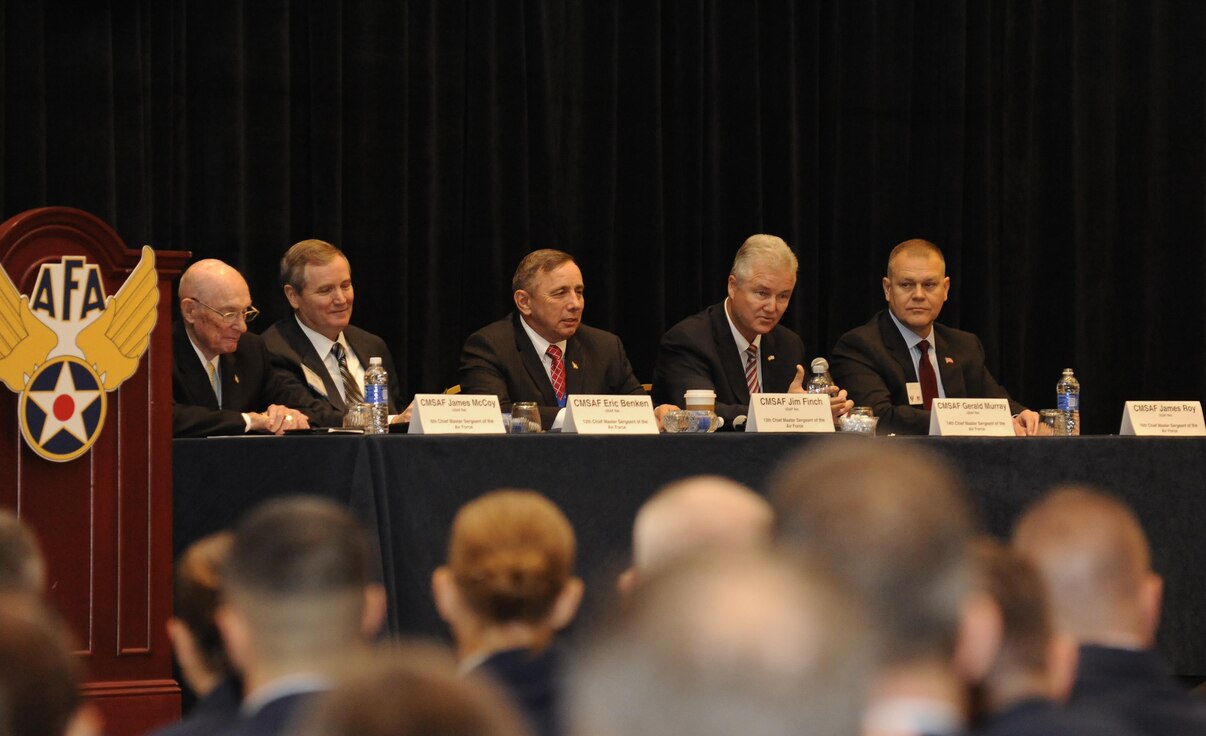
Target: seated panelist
column 542, row 352
column 317, row 345
column 738, row 347
column 902, row 360
column 223, row 382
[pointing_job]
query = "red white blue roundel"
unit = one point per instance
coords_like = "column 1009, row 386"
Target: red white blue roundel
column 62, row 409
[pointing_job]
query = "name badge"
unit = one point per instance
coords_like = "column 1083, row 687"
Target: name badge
column 789, row 413
column 1163, row 419
column 971, row 418
column 914, row 390
column 604, row 414
column 455, row 414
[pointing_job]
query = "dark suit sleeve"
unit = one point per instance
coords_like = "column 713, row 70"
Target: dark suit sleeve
column 981, row 383
column 479, row 371
column 859, row 366
column 620, row 377
column 189, row 420
column 681, row 366
column 282, row 387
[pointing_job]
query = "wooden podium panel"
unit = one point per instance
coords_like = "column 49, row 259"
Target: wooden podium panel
column 104, row 519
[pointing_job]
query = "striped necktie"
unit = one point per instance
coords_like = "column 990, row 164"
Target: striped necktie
column 557, row 373
column 751, row 368
column 351, row 390
column 211, row 368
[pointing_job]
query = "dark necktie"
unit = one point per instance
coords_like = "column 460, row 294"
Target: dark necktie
column 751, row 368
column 351, row 390
column 925, row 374
column 557, row 373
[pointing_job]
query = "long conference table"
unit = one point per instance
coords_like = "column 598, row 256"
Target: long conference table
column 406, row 490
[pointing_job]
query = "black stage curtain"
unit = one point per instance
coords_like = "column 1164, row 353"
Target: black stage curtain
column 1055, row 150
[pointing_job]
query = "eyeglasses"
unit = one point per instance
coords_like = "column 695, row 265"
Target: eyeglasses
column 247, row 315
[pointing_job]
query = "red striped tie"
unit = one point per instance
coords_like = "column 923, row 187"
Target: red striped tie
column 557, row 373
column 751, row 368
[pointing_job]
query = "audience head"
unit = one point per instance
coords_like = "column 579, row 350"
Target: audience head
column 411, row 691
column 22, row 567
column 1094, row 557
column 916, row 285
column 39, row 676
column 894, row 523
column 215, row 305
column 548, row 293
column 699, row 514
column 760, row 284
column 741, row 643
column 297, row 591
column 510, row 563
column 193, row 629
column 317, row 280
column 1033, row 661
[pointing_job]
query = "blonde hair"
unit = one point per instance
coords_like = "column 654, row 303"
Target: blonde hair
column 511, row 554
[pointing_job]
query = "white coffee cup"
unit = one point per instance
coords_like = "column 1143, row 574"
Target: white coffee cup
column 701, row 399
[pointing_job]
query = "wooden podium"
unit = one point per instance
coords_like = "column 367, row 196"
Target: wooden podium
column 104, row 517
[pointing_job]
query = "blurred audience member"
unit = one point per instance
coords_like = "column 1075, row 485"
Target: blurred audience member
column 507, row 588
column 196, row 641
column 1094, row 557
column 741, row 643
column 298, row 601
column 1032, row 674
column 693, row 515
column 894, row 524
column 412, row 691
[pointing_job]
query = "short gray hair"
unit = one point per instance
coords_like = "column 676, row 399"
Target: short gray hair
column 770, row 250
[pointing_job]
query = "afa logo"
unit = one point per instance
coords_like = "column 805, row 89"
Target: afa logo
column 67, row 345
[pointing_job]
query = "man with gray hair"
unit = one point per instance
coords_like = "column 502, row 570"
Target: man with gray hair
column 701, row 514
column 737, row 347
column 743, row 643
column 1095, row 559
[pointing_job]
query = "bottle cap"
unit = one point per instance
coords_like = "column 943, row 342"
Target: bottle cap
column 819, row 365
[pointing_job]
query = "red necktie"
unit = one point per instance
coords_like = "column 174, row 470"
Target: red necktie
column 557, row 373
column 925, row 374
column 751, row 368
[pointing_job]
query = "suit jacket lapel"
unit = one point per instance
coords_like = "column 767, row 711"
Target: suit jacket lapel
column 730, row 361
column 897, row 347
column 196, row 379
column 575, row 360
column 310, row 358
column 533, row 364
column 952, row 378
column 776, row 375
column 231, row 387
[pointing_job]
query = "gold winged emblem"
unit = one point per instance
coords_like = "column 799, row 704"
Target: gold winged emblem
column 24, row 340
column 116, row 340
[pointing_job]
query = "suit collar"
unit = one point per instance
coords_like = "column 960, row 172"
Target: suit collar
column 307, row 355
column 730, row 359
column 534, row 364
column 189, row 363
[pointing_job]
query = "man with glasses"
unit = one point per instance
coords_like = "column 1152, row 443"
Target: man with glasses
column 902, row 360
column 223, row 381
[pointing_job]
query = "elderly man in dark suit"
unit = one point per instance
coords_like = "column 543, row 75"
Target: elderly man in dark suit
column 902, row 360
column 317, row 345
column 542, row 352
column 223, row 381
column 738, row 347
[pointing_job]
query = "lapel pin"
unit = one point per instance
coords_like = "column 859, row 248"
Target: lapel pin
column 236, row 378
column 574, row 364
column 769, row 358
column 949, row 360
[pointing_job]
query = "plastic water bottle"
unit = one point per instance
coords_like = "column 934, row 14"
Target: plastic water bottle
column 821, row 381
column 1067, row 397
column 376, row 395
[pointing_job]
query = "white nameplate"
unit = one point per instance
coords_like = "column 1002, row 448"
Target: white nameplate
column 606, row 414
column 1163, row 419
column 456, row 414
column 789, row 413
column 971, row 418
